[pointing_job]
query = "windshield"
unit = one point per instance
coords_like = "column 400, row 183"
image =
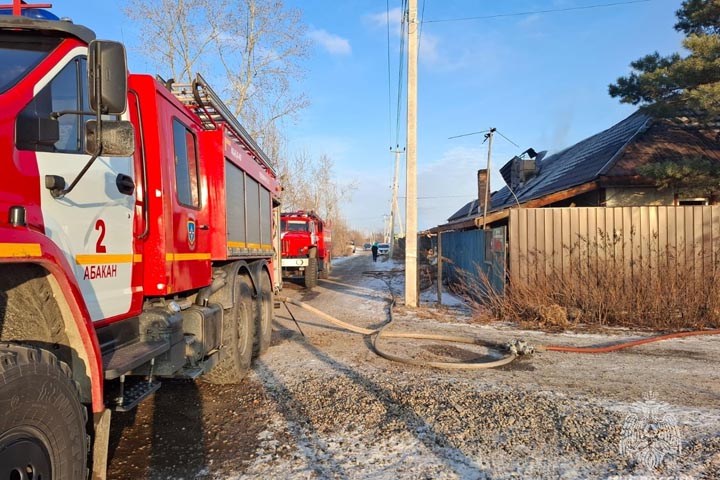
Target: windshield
column 19, row 54
column 294, row 226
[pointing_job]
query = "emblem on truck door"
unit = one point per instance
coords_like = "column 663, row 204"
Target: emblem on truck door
column 191, row 234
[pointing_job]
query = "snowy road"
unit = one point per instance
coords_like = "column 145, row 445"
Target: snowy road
column 323, row 405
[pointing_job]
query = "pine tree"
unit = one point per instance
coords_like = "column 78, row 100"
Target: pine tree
column 670, row 85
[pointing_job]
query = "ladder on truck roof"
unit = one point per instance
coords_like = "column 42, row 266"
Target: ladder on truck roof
column 211, row 110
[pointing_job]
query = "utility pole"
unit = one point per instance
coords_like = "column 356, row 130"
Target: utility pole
column 394, row 207
column 411, row 273
column 489, row 138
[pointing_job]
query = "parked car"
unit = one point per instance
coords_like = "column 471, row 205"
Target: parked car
column 383, row 248
column 367, row 247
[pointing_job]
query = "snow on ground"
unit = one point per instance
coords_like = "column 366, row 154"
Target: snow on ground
column 342, row 412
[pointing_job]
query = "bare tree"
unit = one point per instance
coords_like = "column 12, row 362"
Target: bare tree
column 174, row 34
column 261, row 49
column 256, row 46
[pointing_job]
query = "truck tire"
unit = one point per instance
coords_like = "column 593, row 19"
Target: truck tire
column 238, row 333
column 327, row 267
column 42, row 422
column 264, row 315
column 311, row 273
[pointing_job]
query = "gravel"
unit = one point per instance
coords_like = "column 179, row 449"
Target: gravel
column 324, row 406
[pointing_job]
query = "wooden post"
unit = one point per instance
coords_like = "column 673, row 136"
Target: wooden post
column 439, row 268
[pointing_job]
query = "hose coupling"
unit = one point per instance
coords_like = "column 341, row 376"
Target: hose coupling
column 519, row 347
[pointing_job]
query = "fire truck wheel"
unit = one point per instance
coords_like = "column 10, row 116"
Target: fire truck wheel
column 238, row 336
column 311, row 273
column 327, row 266
column 264, row 315
column 42, row 422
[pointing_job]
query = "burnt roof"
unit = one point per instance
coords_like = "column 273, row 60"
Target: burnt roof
column 581, row 163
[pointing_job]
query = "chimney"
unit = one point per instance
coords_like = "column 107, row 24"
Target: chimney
column 482, row 180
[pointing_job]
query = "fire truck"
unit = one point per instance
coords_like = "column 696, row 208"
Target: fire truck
column 139, row 224
column 306, row 245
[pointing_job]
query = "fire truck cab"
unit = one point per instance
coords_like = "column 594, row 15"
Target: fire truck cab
column 306, row 246
column 139, row 229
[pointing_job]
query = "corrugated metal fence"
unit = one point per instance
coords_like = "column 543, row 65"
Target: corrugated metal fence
column 560, row 240
column 467, row 251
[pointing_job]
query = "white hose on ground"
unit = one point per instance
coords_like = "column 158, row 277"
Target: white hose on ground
column 382, row 333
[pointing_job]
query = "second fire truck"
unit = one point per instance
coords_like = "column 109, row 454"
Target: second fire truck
column 306, row 246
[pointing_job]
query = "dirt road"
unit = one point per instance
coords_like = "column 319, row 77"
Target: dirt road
column 323, row 405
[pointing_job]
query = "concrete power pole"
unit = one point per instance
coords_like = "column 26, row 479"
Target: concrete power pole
column 411, row 258
column 489, row 137
column 394, row 207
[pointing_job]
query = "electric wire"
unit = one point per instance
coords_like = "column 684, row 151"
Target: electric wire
column 534, row 12
column 401, row 74
column 389, row 75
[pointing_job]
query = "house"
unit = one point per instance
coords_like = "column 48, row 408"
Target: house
column 600, row 171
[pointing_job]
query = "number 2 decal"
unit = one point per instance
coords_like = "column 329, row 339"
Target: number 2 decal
column 99, row 247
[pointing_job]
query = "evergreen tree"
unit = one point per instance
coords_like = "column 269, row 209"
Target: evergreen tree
column 675, row 84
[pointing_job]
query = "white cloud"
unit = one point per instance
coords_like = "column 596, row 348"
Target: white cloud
column 381, row 19
column 334, row 44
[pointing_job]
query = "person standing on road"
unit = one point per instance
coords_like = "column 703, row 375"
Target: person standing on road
column 374, row 249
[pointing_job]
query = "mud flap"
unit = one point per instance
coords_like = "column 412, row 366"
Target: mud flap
column 101, row 444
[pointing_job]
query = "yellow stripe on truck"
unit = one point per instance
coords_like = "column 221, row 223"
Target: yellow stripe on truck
column 104, row 259
column 182, row 257
column 20, row 250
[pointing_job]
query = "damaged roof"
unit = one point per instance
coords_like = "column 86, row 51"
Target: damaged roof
column 581, row 163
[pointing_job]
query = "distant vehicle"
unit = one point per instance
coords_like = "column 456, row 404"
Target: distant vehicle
column 383, row 248
column 367, row 246
column 306, row 246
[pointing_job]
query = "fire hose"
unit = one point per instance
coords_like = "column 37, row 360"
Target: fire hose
column 381, row 332
column 515, row 349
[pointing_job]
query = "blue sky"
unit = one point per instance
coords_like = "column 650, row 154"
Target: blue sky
column 540, row 79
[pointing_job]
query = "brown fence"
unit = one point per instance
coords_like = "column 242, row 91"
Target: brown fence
column 556, row 241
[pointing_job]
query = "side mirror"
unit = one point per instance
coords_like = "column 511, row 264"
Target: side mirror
column 118, row 138
column 107, row 77
column 34, row 132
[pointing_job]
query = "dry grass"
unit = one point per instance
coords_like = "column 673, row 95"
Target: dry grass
column 593, row 285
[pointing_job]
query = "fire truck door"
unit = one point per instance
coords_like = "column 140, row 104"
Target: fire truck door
column 93, row 224
column 189, row 242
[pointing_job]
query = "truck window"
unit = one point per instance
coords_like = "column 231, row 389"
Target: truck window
column 19, row 55
column 186, row 165
column 67, row 95
column 296, row 226
column 65, row 92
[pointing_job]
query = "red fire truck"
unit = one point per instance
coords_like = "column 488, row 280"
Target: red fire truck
column 137, row 241
column 306, row 246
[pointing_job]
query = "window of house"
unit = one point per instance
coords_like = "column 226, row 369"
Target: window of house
column 693, row 201
column 186, row 165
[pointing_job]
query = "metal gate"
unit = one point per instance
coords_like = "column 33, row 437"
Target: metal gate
column 475, row 259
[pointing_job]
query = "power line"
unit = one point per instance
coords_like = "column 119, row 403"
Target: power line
column 422, row 17
column 439, row 196
column 387, row 16
column 401, row 64
column 554, row 10
column 468, row 134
